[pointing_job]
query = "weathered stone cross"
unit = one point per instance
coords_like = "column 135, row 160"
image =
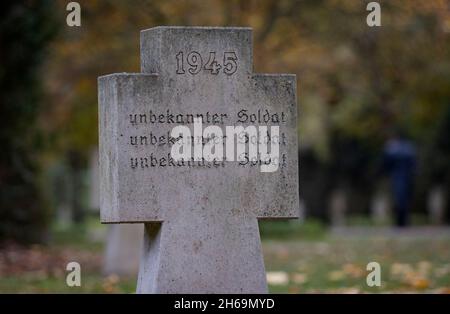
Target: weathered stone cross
column 201, row 217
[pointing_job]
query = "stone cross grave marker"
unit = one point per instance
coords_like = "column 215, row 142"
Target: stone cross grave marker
column 201, row 216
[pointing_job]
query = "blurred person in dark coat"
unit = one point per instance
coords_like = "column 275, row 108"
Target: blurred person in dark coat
column 399, row 161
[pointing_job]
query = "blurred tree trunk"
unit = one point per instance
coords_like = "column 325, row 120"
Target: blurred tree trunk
column 25, row 30
column 77, row 167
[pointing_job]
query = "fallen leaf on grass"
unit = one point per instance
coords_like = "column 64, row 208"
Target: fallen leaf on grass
column 110, row 283
column 419, row 283
column 408, row 275
column 442, row 271
column 299, row 278
column 424, row 268
column 353, row 271
column 444, row 290
column 399, row 270
column 293, row 289
column 336, row 275
column 277, row 278
column 351, row 290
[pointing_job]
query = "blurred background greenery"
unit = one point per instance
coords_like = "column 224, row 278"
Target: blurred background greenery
column 356, row 84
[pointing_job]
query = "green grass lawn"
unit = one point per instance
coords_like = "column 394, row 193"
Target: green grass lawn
column 339, row 265
column 299, row 258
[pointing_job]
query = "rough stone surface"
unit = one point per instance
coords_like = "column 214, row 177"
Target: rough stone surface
column 94, row 187
column 201, row 222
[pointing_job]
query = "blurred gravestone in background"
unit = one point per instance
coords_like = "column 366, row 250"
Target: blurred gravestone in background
column 94, row 183
column 123, row 249
column 60, row 191
column 380, row 208
column 437, row 204
column 338, row 207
